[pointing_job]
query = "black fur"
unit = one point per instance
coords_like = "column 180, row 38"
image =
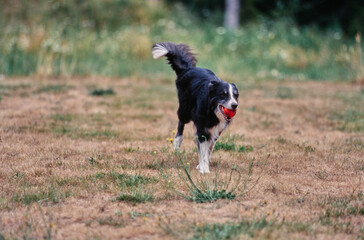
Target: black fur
column 179, row 56
column 199, row 91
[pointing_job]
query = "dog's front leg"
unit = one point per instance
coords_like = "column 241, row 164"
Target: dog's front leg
column 177, row 142
column 203, row 156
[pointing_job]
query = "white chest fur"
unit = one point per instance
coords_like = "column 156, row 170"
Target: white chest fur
column 216, row 130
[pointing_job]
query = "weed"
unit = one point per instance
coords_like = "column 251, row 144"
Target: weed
column 309, row 149
column 211, row 189
column 102, row 92
column 92, row 160
column 322, row 175
column 153, row 166
column 301, row 200
column 17, row 175
column 131, row 149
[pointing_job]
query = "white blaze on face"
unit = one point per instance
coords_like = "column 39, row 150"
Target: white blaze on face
column 232, row 99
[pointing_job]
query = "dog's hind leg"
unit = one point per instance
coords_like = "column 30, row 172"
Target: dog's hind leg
column 177, row 142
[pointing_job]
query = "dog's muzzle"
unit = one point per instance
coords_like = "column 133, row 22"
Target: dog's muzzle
column 227, row 113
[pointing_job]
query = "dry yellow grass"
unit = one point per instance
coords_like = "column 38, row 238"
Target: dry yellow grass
column 62, row 152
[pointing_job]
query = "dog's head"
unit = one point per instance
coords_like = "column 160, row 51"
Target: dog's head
column 223, row 99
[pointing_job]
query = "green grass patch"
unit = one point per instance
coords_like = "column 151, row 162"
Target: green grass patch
column 231, row 146
column 62, row 117
column 54, row 88
column 226, row 146
column 352, row 120
column 281, row 140
column 75, row 132
column 209, row 195
column 124, row 180
column 284, row 93
column 136, row 197
column 102, row 133
column 6, row 88
column 246, row 148
column 352, row 205
column 51, row 195
column 102, row 92
column 231, row 230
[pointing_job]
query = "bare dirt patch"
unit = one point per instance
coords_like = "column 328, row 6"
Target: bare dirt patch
column 67, row 155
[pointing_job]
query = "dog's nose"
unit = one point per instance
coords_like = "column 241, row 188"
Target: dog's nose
column 234, row 106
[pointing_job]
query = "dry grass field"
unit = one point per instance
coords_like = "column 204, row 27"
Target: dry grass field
column 91, row 158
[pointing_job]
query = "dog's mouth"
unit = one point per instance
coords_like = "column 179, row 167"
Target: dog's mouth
column 227, row 113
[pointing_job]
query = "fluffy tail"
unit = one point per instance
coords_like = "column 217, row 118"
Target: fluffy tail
column 179, row 55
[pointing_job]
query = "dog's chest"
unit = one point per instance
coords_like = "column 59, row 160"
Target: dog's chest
column 217, row 130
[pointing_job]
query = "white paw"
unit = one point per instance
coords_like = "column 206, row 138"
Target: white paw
column 177, row 142
column 203, row 170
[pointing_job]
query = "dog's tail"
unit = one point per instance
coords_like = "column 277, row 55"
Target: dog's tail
column 179, row 55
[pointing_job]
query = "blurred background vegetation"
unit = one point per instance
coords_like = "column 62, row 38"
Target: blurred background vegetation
column 293, row 39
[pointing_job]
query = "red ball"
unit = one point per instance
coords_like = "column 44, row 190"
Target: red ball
column 229, row 112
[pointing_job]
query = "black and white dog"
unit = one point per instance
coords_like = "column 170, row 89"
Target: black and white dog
column 203, row 98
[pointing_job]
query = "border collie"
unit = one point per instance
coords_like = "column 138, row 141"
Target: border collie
column 204, row 99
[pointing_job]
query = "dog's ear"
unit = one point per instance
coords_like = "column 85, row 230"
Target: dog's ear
column 235, row 88
column 212, row 85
